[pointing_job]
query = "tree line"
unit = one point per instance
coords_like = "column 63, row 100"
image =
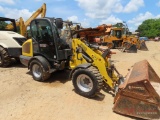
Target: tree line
column 3, row 25
column 149, row 28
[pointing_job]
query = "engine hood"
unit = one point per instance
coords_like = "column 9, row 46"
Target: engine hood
column 11, row 39
column 9, row 34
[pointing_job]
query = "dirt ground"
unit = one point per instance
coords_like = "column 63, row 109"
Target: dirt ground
column 22, row 98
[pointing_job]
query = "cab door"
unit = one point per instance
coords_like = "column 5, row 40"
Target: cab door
column 43, row 38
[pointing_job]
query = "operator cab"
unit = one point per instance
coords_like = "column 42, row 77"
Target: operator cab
column 117, row 33
column 46, row 39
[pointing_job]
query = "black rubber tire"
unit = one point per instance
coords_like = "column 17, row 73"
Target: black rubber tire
column 127, row 45
column 44, row 74
column 96, row 78
column 110, row 45
column 5, row 60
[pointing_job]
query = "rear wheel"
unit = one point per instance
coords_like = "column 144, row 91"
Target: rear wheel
column 87, row 82
column 5, row 60
column 38, row 71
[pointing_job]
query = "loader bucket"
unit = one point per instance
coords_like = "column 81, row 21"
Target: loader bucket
column 143, row 46
column 132, row 49
column 129, row 47
column 139, row 95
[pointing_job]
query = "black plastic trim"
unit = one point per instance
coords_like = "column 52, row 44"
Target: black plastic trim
column 14, row 52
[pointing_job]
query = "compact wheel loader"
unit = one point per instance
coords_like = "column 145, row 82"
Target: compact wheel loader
column 90, row 69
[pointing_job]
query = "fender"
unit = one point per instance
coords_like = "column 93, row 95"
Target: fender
column 3, row 45
column 43, row 61
column 84, row 66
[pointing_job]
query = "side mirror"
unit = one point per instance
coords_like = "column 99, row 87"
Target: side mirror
column 59, row 23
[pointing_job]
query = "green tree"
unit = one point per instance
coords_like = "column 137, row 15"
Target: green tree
column 149, row 28
column 3, row 24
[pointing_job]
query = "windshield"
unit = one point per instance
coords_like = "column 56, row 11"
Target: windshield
column 6, row 25
column 118, row 34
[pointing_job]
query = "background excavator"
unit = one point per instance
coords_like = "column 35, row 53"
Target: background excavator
column 24, row 24
column 90, row 68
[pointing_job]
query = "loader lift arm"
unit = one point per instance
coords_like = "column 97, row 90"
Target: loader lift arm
column 98, row 60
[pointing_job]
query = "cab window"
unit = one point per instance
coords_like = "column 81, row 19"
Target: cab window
column 41, row 30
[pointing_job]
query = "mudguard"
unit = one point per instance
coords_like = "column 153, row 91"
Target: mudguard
column 84, row 66
column 43, row 61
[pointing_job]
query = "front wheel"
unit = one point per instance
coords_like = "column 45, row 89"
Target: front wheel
column 5, row 60
column 38, row 71
column 110, row 45
column 127, row 45
column 87, row 82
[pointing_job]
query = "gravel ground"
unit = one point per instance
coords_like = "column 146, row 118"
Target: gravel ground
column 22, row 98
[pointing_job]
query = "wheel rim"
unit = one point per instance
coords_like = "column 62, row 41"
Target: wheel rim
column 84, row 83
column 36, row 71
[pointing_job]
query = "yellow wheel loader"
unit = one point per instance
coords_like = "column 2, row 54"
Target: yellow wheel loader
column 119, row 36
column 90, row 69
column 129, row 39
column 115, row 37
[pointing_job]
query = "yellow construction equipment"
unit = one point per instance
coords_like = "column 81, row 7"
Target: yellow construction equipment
column 23, row 25
column 129, row 40
column 90, row 68
column 108, row 36
column 117, row 36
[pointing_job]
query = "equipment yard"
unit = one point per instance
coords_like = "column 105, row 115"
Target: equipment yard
column 23, row 98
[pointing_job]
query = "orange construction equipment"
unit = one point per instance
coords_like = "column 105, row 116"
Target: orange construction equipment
column 105, row 35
